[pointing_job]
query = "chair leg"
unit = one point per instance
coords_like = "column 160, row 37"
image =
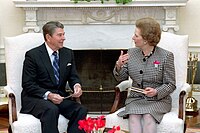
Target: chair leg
column 184, row 128
column 9, row 129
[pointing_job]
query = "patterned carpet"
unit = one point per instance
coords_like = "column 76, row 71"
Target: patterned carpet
column 193, row 130
column 4, row 131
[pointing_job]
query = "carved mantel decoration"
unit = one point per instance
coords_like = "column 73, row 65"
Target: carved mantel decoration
column 40, row 11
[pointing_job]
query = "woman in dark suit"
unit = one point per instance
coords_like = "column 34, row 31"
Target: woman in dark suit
column 46, row 71
column 151, row 69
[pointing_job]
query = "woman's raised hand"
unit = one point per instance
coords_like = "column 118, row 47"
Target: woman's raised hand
column 123, row 59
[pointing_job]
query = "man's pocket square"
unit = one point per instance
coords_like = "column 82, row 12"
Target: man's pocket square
column 69, row 64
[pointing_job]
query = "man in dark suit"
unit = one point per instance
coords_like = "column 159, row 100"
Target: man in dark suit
column 44, row 78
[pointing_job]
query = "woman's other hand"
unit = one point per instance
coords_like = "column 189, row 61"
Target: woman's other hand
column 150, row 92
column 123, row 59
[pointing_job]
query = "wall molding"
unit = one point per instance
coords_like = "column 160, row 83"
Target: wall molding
column 2, row 55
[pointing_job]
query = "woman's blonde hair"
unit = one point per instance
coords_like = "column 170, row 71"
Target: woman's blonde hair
column 150, row 30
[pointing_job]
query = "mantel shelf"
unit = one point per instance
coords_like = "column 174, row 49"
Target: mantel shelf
column 67, row 3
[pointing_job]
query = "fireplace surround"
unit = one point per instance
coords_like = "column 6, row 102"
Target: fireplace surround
column 97, row 32
column 95, row 70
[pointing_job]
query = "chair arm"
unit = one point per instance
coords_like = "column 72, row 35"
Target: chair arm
column 124, row 85
column 8, row 90
column 116, row 101
column 186, row 87
column 11, row 104
column 184, row 90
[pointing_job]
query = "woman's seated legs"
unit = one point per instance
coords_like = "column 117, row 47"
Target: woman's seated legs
column 149, row 124
column 135, row 125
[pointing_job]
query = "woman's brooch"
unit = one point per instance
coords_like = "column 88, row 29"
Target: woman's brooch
column 156, row 63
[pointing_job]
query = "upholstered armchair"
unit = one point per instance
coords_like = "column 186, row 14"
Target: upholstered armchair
column 15, row 48
column 174, row 121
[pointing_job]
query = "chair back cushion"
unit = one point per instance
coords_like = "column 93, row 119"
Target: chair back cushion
column 178, row 45
column 15, row 49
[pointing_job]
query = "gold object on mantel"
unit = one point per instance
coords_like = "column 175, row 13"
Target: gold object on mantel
column 191, row 102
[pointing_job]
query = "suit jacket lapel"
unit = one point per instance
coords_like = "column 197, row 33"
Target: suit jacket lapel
column 63, row 62
column 47, row 62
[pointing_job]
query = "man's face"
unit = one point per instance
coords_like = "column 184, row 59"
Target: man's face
column 56, row 41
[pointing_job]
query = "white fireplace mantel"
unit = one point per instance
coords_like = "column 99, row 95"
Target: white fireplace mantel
column 99, row 25
column 96, row 25
column 39, row 11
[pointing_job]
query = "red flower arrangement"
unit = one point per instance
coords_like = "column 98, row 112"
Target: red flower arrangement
column 114, row 129
column 92, row 124
column 95, row 125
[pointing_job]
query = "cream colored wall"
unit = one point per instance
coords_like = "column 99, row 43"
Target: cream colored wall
column 11, row 20
column 189, row 20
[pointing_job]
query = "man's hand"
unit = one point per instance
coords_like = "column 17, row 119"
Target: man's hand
column 77, row 91
column 55, row 98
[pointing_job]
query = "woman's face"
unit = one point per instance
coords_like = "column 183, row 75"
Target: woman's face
column 137, row 38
